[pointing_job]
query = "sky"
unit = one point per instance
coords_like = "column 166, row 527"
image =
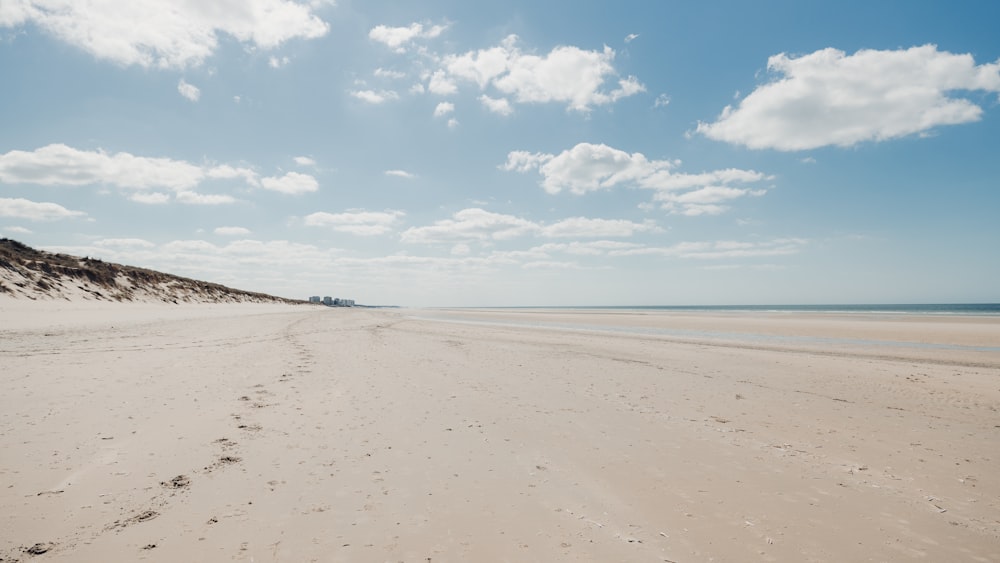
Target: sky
column 455, row 153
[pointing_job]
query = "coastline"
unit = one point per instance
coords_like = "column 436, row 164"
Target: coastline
column 369, row 435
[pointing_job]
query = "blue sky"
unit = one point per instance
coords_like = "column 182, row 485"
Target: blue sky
column 517, row 153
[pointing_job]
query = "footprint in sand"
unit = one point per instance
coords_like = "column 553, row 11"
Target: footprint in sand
column 178, row 482
column 40, row 548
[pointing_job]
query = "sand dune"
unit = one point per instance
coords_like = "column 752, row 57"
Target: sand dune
column 27, row 273
column 282, row 433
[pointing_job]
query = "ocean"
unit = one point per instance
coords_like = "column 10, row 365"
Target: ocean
column 979, row 309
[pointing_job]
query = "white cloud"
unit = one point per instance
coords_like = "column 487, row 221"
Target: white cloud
column 153, row 33
column 231, row 231
column 470, row 224
column 591, row 248
column 460, row 249
column 400, row 174
column 391, row 74
column 193, row 198
column 143, row 178
column 277, row 62
column 149, row 198
column 290, row 183
column 476, row 224
column 375, row 97
column 227, row 172
column 719, row 249
column 577, row 227
column 304, row 161
column 496, row 105
column 550, row 265
column 452, row 123
column 441, row 84
column 566, row 74
column 662, row 101
column 58, row 164
column 702, row 201
column 587, row 167
column 189, row 91
column 444, row 108
column 19, row 208
column 397, row 37
column 19, row 230
column 830, row 98
column 356, row 222
column 124, row 243
column 631, row 37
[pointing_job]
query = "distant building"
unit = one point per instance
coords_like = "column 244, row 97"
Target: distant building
column 332, row 301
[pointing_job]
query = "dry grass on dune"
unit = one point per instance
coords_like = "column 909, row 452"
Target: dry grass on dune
column 27, row 273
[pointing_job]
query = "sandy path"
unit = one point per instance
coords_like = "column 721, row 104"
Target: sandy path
column 358, row 435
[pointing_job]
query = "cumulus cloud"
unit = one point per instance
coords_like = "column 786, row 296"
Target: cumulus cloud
column 304, row 161
column 496, row 105
column 397, row 38
column 476, row 224
column 631, row 37
column 145, row 179
column 291, row 183
column 19, row 208
column 232, row 231
column 227, row 172
column 400, row 174
column 588, row 167
column 444, row 108
column 831, row 98
column 58, row 164
column 356, row 222
column 567, row 74
column 153, row 33
column 441, row 84
column 189, row 91
column 374, row 96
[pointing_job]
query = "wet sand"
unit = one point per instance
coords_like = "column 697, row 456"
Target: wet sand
column 280, row 433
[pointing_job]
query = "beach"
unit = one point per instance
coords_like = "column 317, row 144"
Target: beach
column 264, row 432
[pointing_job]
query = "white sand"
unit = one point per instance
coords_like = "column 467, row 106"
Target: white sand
column 314, row 434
